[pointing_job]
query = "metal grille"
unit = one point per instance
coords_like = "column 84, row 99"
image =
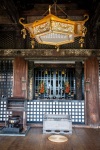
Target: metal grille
column 36, row 109
column 7, row 40
column 6, row 78
column 54, row 82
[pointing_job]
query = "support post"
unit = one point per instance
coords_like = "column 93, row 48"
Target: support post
column 92, row 92
column 78, row 76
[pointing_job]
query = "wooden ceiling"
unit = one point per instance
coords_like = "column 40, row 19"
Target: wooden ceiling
column 12, row 10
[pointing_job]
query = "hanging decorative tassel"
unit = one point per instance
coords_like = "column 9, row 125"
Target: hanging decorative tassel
column 84, row 31
column 32, row 43
column 81, row 41
column 23, row 31
column 57, row 47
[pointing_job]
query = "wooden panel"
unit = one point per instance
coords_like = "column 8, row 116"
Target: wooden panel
column 91, row 91
column 20, row 69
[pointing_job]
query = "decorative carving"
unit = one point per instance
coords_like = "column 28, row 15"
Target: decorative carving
column 78, row 75
column 54, row 66
column 30, row 80
column 63, row 54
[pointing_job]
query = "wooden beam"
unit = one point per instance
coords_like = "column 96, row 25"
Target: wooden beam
column 11, row 10
column 43, row 9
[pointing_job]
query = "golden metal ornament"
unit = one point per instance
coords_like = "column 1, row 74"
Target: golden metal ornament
column 32, row 43
column 53, row 30
column 81, row 41
column 23, row 31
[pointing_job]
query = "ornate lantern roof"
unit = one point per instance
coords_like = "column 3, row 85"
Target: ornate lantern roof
column 54, row 30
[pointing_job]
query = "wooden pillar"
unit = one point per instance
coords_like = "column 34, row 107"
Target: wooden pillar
column 91, row 67
column 78, row 77
column 31, row 81
column 20, row 69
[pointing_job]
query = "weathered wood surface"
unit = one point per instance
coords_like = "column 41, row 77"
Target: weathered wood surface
column 20, row 71
column 92, row 91
column 81, row 139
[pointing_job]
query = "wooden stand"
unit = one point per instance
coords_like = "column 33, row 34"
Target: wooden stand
column 18, row 108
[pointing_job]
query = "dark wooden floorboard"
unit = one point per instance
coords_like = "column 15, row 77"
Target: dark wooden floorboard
column 81, row 139
column 85, row 139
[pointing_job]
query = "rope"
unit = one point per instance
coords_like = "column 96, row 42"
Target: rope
column 62, row 10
